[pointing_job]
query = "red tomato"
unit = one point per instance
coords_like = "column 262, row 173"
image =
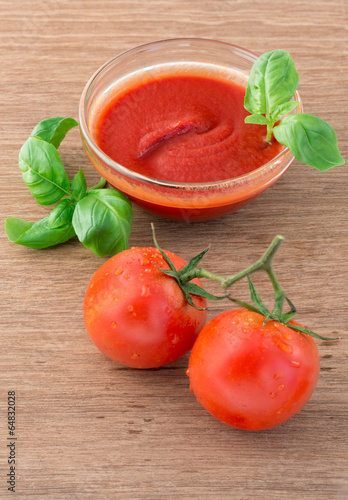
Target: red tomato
column 251, row 376
column 138, row 316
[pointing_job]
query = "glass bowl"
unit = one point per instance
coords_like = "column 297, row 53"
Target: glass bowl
column 174, row 200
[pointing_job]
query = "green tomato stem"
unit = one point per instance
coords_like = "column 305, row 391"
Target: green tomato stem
column 264, row 263
column 202, row 273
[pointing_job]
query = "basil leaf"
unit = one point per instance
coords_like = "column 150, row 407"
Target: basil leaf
column 310, row 140
column 53, row 130
column 284, row 109
column 37, row 235
column 43, row 171
column 273, row 80
column 61, row 214
column 15, row 227
column 102, row 221
column 257, row 119
column 78, row 186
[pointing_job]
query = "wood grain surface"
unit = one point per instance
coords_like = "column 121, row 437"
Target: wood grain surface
column 88, row 428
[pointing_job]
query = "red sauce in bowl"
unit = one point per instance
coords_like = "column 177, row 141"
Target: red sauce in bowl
column 164, row 124
column 183, row 128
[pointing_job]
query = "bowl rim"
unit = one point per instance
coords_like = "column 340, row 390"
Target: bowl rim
column 152, row 180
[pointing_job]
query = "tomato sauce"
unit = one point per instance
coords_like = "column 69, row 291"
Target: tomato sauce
column 184, row 128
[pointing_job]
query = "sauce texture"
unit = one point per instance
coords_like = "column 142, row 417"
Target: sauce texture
column 184, row 128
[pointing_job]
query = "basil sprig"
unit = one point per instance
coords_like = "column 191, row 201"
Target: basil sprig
column 271, row 86
column 100, row 218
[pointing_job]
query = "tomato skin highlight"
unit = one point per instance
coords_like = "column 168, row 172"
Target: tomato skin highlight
column 250, row 376
column 138, row 316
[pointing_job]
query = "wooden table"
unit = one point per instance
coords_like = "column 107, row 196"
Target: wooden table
column 88, row 428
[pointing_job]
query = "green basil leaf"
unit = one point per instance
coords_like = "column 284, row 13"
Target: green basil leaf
column 43, row 171
column 284, row 109
column 273, row 80
column 310, row 140
column 102, row 221
column 61, row 214
column 14, row 228
column 54, row 129
column 37, row 235
column 257, row 119
column 78, row 186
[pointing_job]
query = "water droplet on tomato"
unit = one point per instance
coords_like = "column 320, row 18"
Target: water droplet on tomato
column 295, row 364
column 126, row 276
column 135, row 356
column 118, row 271
column 91, row 298
column 144, row 262
column 281, row 387
column 147, row 270
column 188, row 372
column 175, row 339
column 283, row 345
column 273, row 395
column 130, row 308
column 191, row 390
column 115, row 299
column 287, row 335
column 113, row 324
column 145, row 291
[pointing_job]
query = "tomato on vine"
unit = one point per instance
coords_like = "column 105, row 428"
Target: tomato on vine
column 252, row 375
column 139, row 310
column 250, row 367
